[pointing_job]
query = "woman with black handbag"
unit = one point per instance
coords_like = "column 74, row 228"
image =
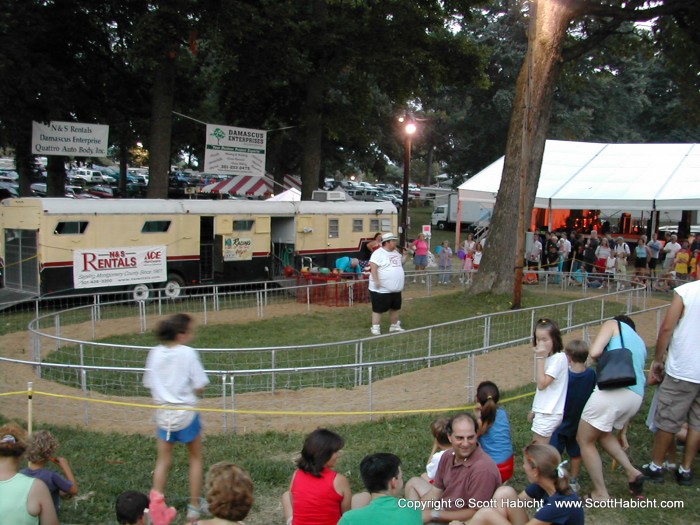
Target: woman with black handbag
column 615, row 400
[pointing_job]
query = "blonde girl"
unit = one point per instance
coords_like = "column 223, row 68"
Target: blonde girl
column 549, row 487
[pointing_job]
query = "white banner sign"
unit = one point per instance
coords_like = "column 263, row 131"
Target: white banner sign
column 235, row 151
column 119, row 266
column 237, row 248
column 72, row 139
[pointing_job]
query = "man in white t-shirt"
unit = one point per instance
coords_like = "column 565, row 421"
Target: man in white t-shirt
column 386, row 279
column 671, row 249
column 677, row 367
column 535, row 253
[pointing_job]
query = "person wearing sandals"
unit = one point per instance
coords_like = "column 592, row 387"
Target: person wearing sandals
column 549, row 486
column 609, row 410
column 175, row 376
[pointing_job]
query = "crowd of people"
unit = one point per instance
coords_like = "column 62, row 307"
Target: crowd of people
column 601, row 260
column 469, row 468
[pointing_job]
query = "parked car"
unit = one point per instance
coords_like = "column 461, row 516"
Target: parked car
column 38, row 189
column 394, row 199
column 365, row 195
column 87, row 175
column 8, row 175
column 8, row 190
column 102, row 191
column 78, row 192
column 136, row 189
column 135, row 177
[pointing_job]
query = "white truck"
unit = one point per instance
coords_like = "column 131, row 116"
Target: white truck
column 474, row 214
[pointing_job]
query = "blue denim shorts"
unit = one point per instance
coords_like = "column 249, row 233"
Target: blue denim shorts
column 186, row 435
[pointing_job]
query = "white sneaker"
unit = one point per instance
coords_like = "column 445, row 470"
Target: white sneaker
column 396, row 327
column 375, row 330
column 575, row 487
column 423, row 281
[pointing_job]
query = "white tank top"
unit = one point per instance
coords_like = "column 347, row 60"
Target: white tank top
column 683, row 362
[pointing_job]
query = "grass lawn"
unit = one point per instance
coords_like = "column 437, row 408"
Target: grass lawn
column 106, row 464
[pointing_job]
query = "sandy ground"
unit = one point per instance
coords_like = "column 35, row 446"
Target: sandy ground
column 509, row 368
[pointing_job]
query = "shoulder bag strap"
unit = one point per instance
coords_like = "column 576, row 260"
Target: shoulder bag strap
column 619, row 327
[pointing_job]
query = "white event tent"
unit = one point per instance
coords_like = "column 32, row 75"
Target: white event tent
column 587, row 176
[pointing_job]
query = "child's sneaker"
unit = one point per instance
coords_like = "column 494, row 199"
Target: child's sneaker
column 575, row 487
column 652, row 474
column 194, row 513
column 684, row 478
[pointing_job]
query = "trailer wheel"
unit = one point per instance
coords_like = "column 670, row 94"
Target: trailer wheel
column 173, row 288
column 141, row 292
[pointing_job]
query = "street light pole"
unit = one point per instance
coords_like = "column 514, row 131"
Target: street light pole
column 409, row 130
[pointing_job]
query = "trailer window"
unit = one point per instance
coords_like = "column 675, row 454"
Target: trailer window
column 243, row 226
column 333, row 228
column 155, row 226
column 70, row 228
column 358, row 225
column 380, row 225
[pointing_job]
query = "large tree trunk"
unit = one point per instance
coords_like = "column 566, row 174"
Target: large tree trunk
column 525, row 148
column 313, row 110
column 161, row 129
column 56, row 176
column 24, row 160
column 313, row 137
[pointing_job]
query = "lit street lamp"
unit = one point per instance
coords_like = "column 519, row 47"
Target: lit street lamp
column 409, row 129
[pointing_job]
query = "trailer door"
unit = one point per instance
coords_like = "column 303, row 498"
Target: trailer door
column 206, row 249
column 21, row 261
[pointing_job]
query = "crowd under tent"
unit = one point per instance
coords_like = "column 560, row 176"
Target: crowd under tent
column 582, row 183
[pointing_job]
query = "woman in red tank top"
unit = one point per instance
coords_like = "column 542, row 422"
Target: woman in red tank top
column 317, row 495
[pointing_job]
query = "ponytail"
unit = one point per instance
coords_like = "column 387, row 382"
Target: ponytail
column 487, row 395
column 548, row 462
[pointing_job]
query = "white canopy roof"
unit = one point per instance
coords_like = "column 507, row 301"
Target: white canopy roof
column 586, row 175
column 292, row 194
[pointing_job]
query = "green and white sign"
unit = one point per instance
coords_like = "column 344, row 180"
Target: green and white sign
column 235, row 151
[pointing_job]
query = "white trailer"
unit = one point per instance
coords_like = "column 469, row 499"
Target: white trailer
column 473, row 213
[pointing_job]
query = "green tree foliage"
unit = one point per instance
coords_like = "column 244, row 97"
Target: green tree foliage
column 347, row 74
column 587, row 25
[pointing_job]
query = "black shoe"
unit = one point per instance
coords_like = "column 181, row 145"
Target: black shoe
column 655, row 476
column 684, row 478
column 637, row 486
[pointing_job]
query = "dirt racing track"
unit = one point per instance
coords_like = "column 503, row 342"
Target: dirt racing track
column 428, row 390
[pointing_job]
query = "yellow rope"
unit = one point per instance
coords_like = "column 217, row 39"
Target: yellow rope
column 260, row 412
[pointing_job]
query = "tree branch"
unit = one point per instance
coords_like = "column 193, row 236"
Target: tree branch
column 582, row 47
column 616, row 16
column 669, row 7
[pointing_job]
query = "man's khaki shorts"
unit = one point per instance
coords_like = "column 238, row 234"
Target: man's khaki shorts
column 678, row 402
